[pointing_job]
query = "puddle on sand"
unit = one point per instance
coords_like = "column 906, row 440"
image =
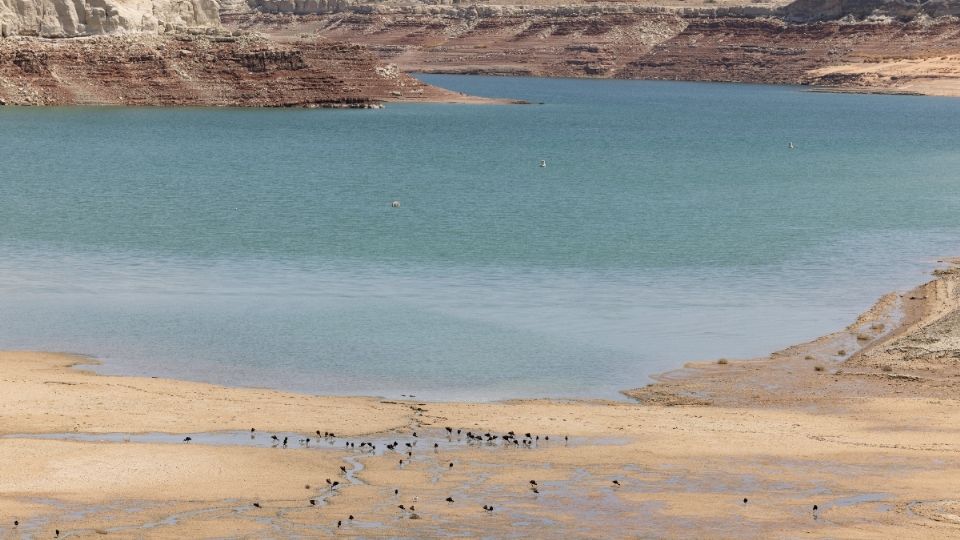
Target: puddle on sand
column 376, row 444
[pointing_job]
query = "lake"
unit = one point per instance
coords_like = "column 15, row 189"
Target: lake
column 671, row 223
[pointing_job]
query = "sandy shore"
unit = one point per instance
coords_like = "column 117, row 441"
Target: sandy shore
column 862, row 423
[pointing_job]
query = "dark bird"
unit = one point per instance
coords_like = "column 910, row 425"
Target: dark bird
column 284, row 441
column 410, row 454
column 535, row 490
column 402, row 507
column 350, row 517
column 334, row 484
column 401, row 462
column 436, row 445
column 256, row 505
column 814, row 508
column 451, row 464
column 332, row 435
column 56, row 533
column 533, row 482
column 396, row 492
column 343, row 468
column 306, row 486
column 449, row 430
column 616, row 482
column 458, row 432
column 546, row 437
column 339, row 523
column 744, row 500
column 414, row 433
column 449, row 499
column 187, row 439
column 318, row 433
column 313, row 502
column 252, row 430
column 527, row 435
column 274, row 437
column 16, row 523
column 328, row 481
column 412, row 509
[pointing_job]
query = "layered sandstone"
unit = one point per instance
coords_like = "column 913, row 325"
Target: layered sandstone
column 862, row 45
column 208, row 70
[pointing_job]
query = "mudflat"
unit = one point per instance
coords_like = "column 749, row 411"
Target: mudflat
column 861, row 423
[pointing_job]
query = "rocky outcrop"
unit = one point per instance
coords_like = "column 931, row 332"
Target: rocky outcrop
column 208, row 70
column 804, row 11
column 71, row 18
column 880, row 53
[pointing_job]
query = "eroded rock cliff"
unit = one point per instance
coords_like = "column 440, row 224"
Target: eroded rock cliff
column 199, row 70
column 69, row 18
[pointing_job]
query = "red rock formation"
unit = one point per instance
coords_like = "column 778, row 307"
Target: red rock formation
column 199, row 70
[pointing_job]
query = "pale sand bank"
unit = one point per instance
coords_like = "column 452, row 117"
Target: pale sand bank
column 876, row 448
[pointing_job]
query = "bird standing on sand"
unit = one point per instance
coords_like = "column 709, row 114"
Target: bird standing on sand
column 616, row 482
column 744, row 500
column 256, row 505
column 449, row 499
column 187, row 439
column 313, row 502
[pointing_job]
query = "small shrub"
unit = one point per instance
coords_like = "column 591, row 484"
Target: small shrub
column 808, row 357
column 886, row 369
column 863, row 337
column 842, row 352
column 722, row 361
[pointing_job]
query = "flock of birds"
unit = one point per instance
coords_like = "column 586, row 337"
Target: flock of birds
column 526, row 440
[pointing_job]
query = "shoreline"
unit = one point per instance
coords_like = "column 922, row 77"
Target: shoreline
column 870, row 438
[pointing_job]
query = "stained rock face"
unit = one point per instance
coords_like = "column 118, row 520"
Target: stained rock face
column 71, row 18
column 218, row 70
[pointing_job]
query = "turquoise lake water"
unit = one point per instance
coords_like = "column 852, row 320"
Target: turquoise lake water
column 672, row 223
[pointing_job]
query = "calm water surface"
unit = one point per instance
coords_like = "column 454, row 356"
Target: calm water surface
column 672, row 223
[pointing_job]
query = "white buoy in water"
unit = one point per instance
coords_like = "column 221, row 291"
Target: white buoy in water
column 543, row 163
column 395, row 204
column 791, row 146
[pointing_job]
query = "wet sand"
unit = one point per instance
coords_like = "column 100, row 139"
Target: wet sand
column 870, row 436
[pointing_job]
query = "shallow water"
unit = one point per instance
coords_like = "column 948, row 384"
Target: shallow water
column 672, row 223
